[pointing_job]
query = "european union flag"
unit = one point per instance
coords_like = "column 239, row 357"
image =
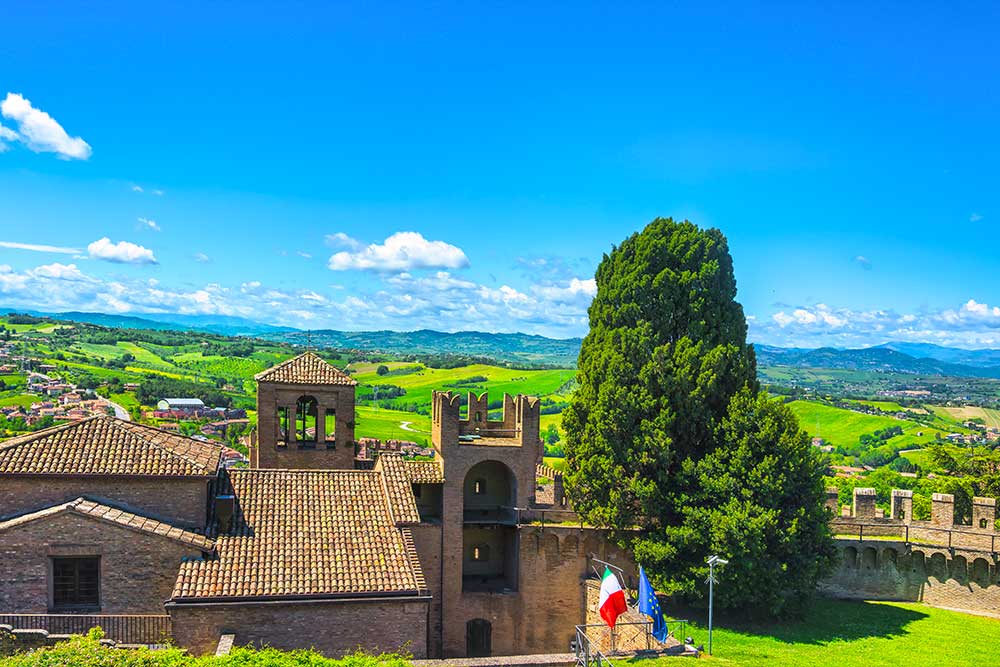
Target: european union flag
column 650, row 606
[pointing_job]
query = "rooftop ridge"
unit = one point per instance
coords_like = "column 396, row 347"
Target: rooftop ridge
column 307, row 368
column 128, row 426
column 19, row 440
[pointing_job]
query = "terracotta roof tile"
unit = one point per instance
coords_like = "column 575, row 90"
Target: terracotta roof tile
column 425, row 472
column 305, row 533
column 397, row 487
column 127, row 520
column 307, row 368
column 107, row 446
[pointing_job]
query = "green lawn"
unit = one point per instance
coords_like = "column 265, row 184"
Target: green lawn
column 555, row 463
column 849, row 634
column 843, row 427
column 386, row 425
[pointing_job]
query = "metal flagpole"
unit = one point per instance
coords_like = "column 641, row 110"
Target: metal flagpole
column 712, row 562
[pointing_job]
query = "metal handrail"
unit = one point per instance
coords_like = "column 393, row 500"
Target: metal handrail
column 123, row 628
column 905, row 530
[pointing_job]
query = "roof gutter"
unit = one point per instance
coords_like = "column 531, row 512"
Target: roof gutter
column 235, row 601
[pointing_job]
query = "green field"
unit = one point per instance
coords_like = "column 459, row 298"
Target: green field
column 386, row 425
column 852, row 634
column 420, row 384
column 24, row 400
column 554, row 462
column 843, row 427
column 990, row 416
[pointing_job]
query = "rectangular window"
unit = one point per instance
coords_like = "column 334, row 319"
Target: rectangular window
column 75, row 583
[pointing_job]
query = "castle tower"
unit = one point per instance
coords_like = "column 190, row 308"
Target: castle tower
column 490, row 468
column 305, row 416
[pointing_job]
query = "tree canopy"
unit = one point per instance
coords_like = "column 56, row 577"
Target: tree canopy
column 670, row 442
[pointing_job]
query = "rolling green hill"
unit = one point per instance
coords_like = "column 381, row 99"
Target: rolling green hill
column 844, row 427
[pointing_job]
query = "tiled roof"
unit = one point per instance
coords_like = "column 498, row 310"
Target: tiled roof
column 305, row 533
column 307, row 368
column 107, row 446
column 115, row 516
column 425, row 472
column 397, row 487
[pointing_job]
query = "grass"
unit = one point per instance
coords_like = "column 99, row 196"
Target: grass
column 555, row 463
column 24, row 400
column 843, row 427
column 990, row 416
column 421, row 384
column 852, row 634
column 385, row 425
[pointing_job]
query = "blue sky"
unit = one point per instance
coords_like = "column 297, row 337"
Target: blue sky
column 408, row 165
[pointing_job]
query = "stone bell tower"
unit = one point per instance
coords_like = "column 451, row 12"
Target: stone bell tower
column 305, row 416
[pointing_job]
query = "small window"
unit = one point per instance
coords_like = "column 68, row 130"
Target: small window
column 479, row 487
column 75, row 583
column 480, row 553
column 479, row 416
column 417, row 490
column 983, row 523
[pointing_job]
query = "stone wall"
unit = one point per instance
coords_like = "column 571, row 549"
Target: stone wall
column 333, row 628
column 272, row 452
column 137, row 570
column 179, row 501
column 936, row 576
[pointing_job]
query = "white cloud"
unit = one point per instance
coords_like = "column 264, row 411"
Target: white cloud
column 137, row 188
column 863, row 262
column 342, row 240
column 202, row 258
column 975, row 217
column 304, row 255
column 122, row 252
column 59, row 272
column 575, row 289
column 40, row 132
column 403, row 251
column 6, row 134
column 158, row 193
column 146, row 223
column 60, row 250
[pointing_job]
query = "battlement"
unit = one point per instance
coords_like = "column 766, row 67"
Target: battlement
column 518, row 426
column 863, row 519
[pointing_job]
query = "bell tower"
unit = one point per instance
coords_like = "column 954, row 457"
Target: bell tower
column 305, row 416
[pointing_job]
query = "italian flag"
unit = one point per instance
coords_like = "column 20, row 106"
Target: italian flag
column 612, row 602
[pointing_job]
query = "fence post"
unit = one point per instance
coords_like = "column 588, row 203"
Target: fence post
column 861, row 532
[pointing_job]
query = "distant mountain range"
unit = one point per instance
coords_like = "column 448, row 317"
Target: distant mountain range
column 913, row 358
column 515, row 347
column 897, row 357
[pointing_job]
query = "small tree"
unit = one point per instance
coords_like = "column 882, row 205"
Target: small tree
column 382, row 370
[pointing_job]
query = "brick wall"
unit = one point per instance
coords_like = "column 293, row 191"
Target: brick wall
column 138, row 570
column 427, row 540
column 335, row 400
column 540, row 617
column 885, row 571
column 181, row 501
column 332, row 628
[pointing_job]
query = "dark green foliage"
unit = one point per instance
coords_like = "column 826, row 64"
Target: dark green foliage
column 654, row 438
column 153, row 389
column 87, row 651
column 382, row 369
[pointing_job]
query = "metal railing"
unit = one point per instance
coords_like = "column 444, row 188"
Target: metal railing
column 122, row 628
column 596, row 641
column 528, row 515
column 904, row 535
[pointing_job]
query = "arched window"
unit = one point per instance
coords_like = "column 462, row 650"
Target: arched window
column 307, row 411
column 481, row 553
column 283, row 423
column 479, row 487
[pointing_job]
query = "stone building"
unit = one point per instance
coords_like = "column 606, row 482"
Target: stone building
column 465, row 554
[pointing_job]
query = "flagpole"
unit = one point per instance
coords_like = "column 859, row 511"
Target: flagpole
column 712, row 562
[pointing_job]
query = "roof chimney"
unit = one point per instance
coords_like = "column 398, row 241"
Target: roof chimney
column 224, row 509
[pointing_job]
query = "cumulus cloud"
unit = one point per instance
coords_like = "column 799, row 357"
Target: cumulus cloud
column 6, row 135
column 972, row 324
column 40, row 132
column 59, row 272
column 576, row 288
column 122, row 252
column 146, row 223
column 35, row 247
column 403, row 251
column 342, row 240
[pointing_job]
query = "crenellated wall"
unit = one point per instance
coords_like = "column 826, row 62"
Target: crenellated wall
column 937, row 562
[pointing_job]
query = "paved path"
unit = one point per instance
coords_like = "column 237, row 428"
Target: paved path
column 406, row 427
column 120, row 412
